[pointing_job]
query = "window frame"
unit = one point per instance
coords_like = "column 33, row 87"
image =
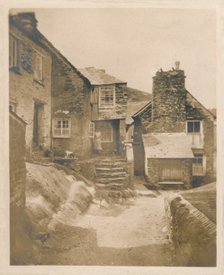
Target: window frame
column 106, row 106
column 14, row 59
column 91, row 129
column 62, row 135
column 194, row 132
column 12, row 106
column 111, row 134
column 36, row 76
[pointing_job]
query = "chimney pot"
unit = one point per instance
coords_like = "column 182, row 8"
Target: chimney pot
column 177, row 65
column 28, row 20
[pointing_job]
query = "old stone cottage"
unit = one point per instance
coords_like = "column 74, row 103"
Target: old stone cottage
column 108, row 103
column 30, row 79
column 62, row 106
column 174, row 134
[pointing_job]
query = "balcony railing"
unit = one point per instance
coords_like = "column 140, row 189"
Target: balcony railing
column 197, row 169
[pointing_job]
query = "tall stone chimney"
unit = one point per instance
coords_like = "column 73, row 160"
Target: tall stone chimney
column 169, row 101
column 28, row 21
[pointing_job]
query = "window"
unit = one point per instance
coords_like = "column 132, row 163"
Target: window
column 38, row 67
column 107, row 96
column 107, row 133
column 106, row 130
column 91, row 129
column 193, row 127
column 12, row 107
column 197, row 167
column 62, row 127
column 13, row 53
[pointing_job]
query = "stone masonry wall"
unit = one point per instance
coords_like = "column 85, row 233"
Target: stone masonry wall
column 21, row 249
column 155, row 167
column 194, row 235
column 71, row 98
column 24, row 90
column 196, row 111
column 17, row 162
column 209, row 151
column 169, row 102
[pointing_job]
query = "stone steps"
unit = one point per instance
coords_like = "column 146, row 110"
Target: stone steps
column 111, row 172
column 108, row 169
column 112, row 175
column 111, row 180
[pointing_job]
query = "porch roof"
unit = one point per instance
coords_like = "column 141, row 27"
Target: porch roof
column 167, row 145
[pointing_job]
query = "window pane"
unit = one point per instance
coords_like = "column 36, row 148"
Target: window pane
column 190, row 127
column 58, row 125
column 62, row 127
column 65, row 123
column 197, row 127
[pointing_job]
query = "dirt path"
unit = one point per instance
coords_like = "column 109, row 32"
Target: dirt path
column 132, row 225
column 135, row 233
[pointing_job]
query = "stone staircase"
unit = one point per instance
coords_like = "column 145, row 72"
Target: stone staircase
column 111, row 173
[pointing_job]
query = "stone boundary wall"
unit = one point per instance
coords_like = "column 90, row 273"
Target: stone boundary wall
column 193, row 234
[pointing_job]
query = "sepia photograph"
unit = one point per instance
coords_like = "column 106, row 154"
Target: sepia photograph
column 112, row 137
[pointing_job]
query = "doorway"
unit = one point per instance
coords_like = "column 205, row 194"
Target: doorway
column 37, row 124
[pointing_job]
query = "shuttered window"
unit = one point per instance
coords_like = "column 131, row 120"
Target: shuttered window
column 13, row 52
column 38, row 67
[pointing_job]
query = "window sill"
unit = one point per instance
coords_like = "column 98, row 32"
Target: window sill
column 61, row 137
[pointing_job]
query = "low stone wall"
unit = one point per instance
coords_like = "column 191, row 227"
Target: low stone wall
column 194, row 235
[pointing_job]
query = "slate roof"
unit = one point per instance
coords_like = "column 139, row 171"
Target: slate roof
column 133, row 107
column 99, row 77
column 167, row 145
column 142, row 109
column 190, row 101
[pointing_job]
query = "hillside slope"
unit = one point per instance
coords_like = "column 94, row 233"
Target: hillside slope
column 135, row 95
column 136, row 100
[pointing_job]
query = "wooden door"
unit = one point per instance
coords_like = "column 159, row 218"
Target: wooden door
column 37, row 124
column 172, row 171
column 138, row 159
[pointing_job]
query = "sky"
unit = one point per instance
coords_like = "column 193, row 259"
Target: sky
column 132, row 44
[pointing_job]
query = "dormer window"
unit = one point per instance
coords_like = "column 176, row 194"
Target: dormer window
column 193, row 127
column 107, row 97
